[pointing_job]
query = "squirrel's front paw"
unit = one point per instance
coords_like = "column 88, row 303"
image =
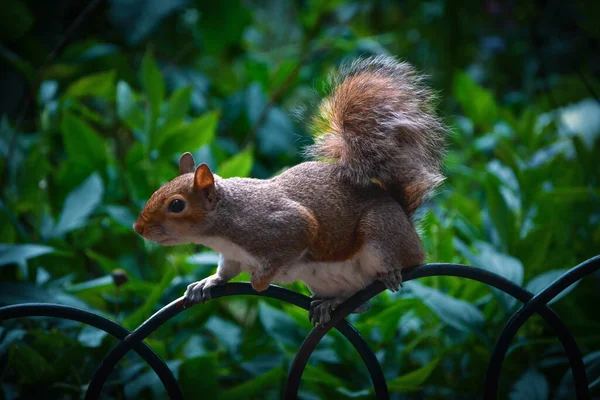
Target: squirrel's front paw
column 199, row 292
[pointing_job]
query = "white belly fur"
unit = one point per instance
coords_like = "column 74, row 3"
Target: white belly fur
column 324, row 279
column 231, row 251
column 327, row 279
column 336, row 279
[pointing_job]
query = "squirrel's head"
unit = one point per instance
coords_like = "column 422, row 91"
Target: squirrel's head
column 178, row 211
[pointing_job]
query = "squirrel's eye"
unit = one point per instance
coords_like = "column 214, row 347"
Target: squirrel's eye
column 176, row 206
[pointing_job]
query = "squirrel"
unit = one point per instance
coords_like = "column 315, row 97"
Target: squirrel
column 338, row 223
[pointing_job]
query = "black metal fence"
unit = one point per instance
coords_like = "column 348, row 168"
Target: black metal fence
column 532, row 304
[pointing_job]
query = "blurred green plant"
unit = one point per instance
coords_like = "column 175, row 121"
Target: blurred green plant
column 106, row 120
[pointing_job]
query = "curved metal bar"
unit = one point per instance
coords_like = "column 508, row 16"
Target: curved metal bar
column 275, row 292
column 489, row 278
column 133, row 340
column 97, row 321
column 537, row 303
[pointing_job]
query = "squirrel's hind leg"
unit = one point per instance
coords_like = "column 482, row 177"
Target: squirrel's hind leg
column 392, row 244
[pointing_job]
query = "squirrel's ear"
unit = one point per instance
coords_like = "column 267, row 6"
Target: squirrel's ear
column 186, row 163
column 203, row 178
column 204, row 183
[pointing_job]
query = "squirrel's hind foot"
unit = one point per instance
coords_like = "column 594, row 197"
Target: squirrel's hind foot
column 391, row 279
column 320, row 309
column 199, row 292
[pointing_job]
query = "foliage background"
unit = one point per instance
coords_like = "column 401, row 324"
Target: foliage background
column 94, row 114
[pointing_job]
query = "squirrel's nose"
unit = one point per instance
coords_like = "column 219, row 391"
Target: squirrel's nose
column 138, row 227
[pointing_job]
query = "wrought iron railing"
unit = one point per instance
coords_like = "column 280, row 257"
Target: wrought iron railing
column 133, row 340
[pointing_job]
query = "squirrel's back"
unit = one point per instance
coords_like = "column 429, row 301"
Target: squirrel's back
column 379, row 123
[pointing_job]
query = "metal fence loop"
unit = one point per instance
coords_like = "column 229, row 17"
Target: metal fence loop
column 232, row 289
column 457, row 270
column 97, row 321
column 538, row 302
column 532, row 304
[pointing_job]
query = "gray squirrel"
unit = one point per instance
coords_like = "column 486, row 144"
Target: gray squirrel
column 337, row 224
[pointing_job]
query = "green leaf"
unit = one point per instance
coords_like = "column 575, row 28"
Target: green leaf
column 98, row 85
column 20, row 253
column 47, row 91
column 256, row 386
column 105, row 263
column 356, row 394
column 459, row 314
column 86, row 113
column 502, row 264
column 85, row 148
column 179, row 104
column 490, row 259
column 227, row 333
column 79, row 205
column 29, row 365
column 11, row 336
column 103, row 281
column 122, row 215
column 128, row 108
column 91, row 337
column 199, row 376
column 386, row 321
column 581, row 119
column 478, row 103
column 592, row 367
column 278, row 325
column 187, row 136
column 256, row 101
column 19, row 292
column 153, row 83
column 94, row 291
column 318, row 375
column 276, row 135
column 502, row 216
column 151, row 302
column 239, row 165
column 145, row 381
column 541, row 281
column 531, row 386
column 137, row 19
column 413, row 380
column 566, row 387
column 585, row 156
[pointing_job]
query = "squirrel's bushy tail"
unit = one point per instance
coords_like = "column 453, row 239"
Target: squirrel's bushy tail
column 379, row 123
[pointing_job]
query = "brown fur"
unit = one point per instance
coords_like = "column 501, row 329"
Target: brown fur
column 379, row 123
column 337, row 225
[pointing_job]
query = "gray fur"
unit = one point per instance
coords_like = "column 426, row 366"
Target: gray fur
column 327, row 224
column 263, row 226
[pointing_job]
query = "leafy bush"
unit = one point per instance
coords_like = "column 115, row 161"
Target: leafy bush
column 112, row 110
